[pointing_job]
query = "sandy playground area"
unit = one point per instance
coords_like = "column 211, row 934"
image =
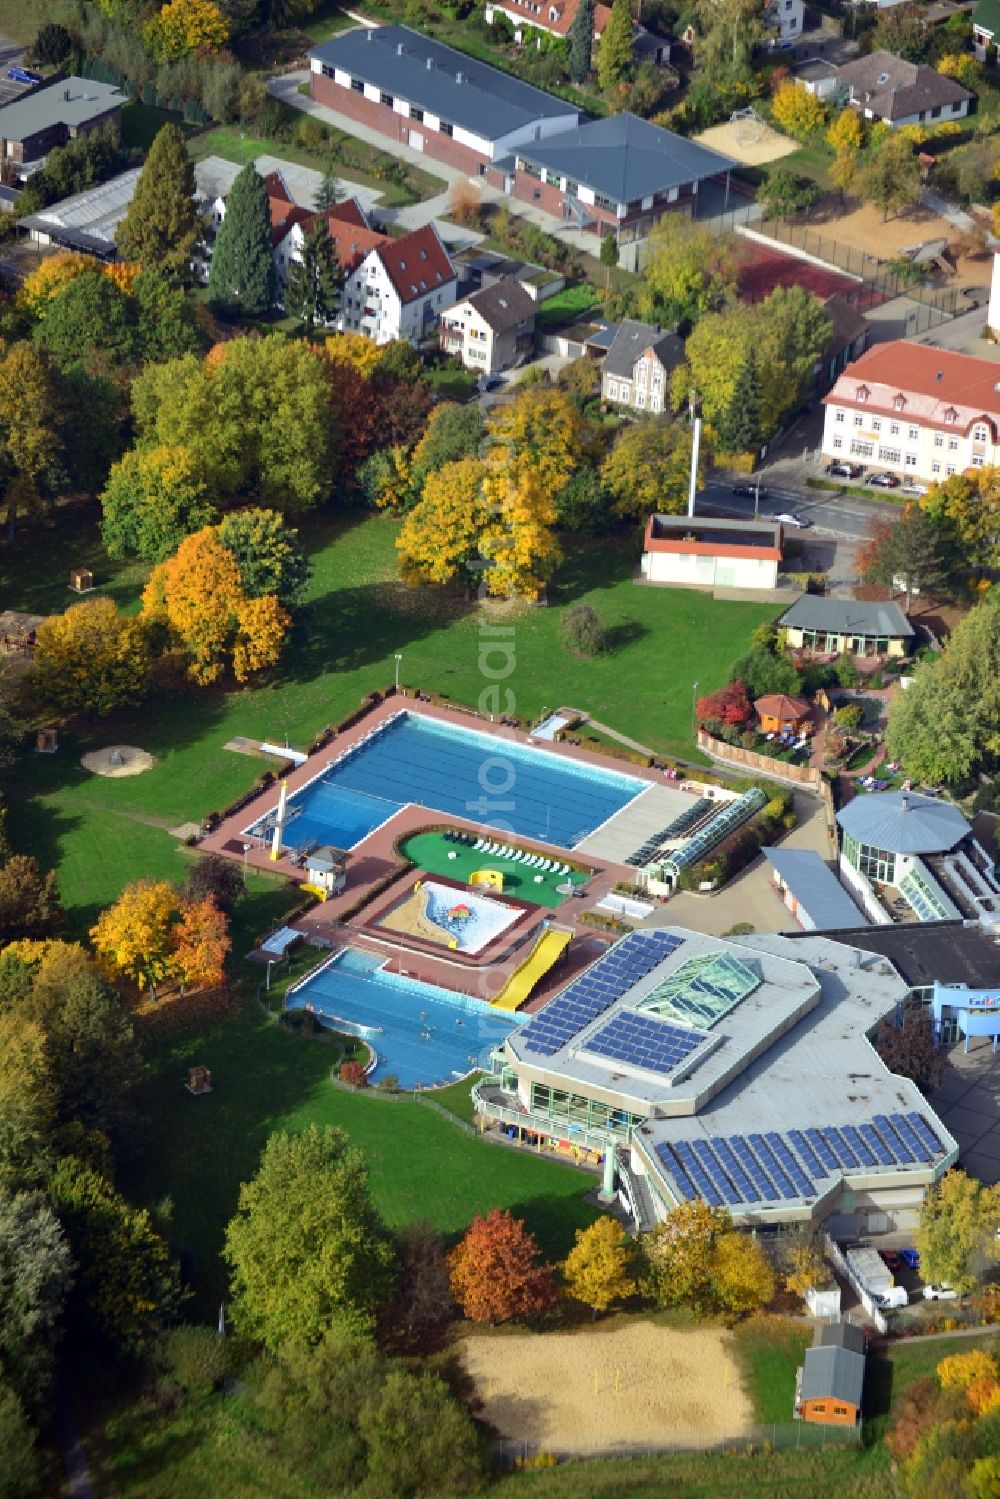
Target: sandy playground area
column 118, row 760
column 753, row 143
column 617, row 1385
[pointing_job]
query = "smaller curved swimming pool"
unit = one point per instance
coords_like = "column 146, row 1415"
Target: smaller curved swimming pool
column 423, row 1034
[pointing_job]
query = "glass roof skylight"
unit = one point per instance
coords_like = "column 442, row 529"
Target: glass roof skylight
column 703, row 990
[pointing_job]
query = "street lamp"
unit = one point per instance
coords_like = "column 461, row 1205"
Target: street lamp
column 246, row 849
column 398, row 658
column 694, row 699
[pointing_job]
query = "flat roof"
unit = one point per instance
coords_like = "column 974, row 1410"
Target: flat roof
column 922, row 953
column 847, row 617
column 70, row 101
column 624, row 158
column 446, row 83
column 748, row 533
column 903, row 822
column 814, row 885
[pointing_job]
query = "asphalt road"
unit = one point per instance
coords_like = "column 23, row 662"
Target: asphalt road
column 847, row 516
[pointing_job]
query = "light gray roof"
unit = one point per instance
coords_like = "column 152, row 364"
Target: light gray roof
column 842, row 1335
column 632, row 340
column 624, row 158
column 815, row 887
column 412, row 67
column 903, row 822
column 71, row 101
column 847, row 617
column 833, row 1373
column 97, row 211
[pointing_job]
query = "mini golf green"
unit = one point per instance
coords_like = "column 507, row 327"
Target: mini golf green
column 430, row 851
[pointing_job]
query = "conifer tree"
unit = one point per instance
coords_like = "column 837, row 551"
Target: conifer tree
column 241, row 276
column 313, row 285
column 328, row 192
column 581, row 40
column 160, row 229
column 614, row 56
column 739, row 427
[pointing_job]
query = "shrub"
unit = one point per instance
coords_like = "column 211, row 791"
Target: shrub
column 196, row 1358
column 584, row 631
column 353, row 1074
column 850, row 716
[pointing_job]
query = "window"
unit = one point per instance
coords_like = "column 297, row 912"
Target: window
column 601, row 202
column 977, row 460
column 980, row 433
column 953, row 445
column 894, row 429
column 416, row 114
column 913, row 433
column 840, row 1410
column 911, row 460
column 890, row 455
column 950, row 470
column 613, row 390
column 385, row 99
column 447, row 128
column 935, row 468
column 838, row 416
column 956, row 106
column 938, row 440
column 838, row 443
column 862, row 449
column 876, row 425
column 357, row 86
column 949, row 416
column 863, row 393
column 936, row 112
column 859, row 420
column 899, row 402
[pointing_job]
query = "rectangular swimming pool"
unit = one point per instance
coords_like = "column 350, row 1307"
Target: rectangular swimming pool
column 421, row 1033
column 460, row 772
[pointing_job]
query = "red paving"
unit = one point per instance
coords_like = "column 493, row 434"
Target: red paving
column 763, row 269
column 375, row 859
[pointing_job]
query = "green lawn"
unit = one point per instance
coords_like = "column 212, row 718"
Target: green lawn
column 455, row 385
column 141, row 123
column 100, row 833
column 422, row 1166
column 328, row 21
column 893, row 1370
column 430, row 851
column 566, row 305
column 769, row 1350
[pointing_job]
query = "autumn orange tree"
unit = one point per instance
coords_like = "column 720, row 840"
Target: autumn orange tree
column 198, row 593
column 154, row 934
column 496, row 1273
column 599, row 1268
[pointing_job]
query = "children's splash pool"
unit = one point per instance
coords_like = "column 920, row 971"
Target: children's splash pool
column 455, row 918
column 461, row 772
column 422, row 1034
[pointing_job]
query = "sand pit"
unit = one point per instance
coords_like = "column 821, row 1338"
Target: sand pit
column 672, row 1387
column 118, row 760
column 750, row 142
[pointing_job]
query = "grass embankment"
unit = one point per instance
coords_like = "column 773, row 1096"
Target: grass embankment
column 99, row 834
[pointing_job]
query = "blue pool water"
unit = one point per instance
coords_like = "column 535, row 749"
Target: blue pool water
column 461, row 773
column 422, row 1034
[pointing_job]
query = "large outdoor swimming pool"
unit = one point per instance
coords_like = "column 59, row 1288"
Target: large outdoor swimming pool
column 421, row 1033
column 460, row 772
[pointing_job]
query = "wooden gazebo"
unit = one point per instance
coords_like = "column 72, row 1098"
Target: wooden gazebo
column 778, row 713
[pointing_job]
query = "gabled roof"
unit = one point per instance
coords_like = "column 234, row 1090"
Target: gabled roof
column 504, row 305
column 277, row 187
column 842, row 1335
column 556, row 16
column 631, row 341
column 933, row 383
column 624, row 158
column 903, row 822
column 446, row 83
column 893, row 88
column 353, row 244
column 285, row 214
column 847, row 617
column 348, row 212
column 416, row 264
column 833, row 1374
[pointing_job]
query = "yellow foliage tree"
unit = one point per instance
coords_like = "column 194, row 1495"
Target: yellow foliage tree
column 134, row 938
column 805, row 1268
column 542, row 428
column 962, row 66
column 598, row 1269
column 742, row 1275
column 519, row 540
column 960, row 1370
column 123, row 274
column 50, row 278
column 28, row 1099
column 353, row 348
column 680, row 1255
column 798, row 112
column 440, row 537
column 199, row 594
column 185, row 26
column 91, row 659
column 846, row 130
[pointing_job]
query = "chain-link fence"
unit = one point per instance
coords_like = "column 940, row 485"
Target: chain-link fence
column 780, row 1436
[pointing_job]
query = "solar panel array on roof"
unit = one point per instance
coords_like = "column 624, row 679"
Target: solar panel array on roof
column 773, row 1168
column 595, row 991
column 643, row 1041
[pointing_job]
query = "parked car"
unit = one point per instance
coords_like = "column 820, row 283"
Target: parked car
column 915, row 489
column 845, row 470
column 488, row 382
column 884, row 481
column 892, row 1259
column 940, row 1292
column 896, row 1296
column 910, row 1258
column 750, row 491
column 798, row 521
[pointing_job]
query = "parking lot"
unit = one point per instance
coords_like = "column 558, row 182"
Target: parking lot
column 968, row 1104
column 11, row 53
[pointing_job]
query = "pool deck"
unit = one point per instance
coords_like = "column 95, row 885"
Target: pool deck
column 374, row 860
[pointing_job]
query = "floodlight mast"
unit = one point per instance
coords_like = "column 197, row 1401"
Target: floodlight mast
column 695, row 449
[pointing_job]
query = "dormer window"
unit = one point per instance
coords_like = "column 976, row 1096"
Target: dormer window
column 423, row 255
column 883, row 78
column 402, row 265
column 980, row 433
column 899, row 401
column 863, row 393
column 950, row 416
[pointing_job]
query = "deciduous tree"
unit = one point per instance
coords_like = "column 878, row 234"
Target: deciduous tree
column 649, row 469
column 312, row 290
column 615, row 49
column 679, row 1255
column 891, row 178
column 134, row 938
column 29, row 900
column 805, row 1268
column 729, row 705
column 200, row 942
column 306, row 1249
column 797, row 111
column 846, row 131
column 965, row 511
column 30, row 440
column 496, row 1272
column 687, row 272
column 215, row 877
column 386, row 480
column 422, row 1307
column 905, row 554
column 20, row 1465
column 267, row 554
column 91, row 659
column 742, row 1275
column 452, row 433
column 182, row 27
column 439, row 539
column 27, row 1102
column 584, row 631
column 956, row 1238
column 241, row 275
column 52, row 45
column 902, row 31
column 154, row 497
column 90, row 324
column 599, row 1269
column 420, row 1442
column 160, row 229
column 518, row 542
column 784, row 193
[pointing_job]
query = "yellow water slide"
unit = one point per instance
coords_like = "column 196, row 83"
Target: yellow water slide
column 550, row 945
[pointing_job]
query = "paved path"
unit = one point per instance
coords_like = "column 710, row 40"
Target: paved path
column 78, row 1481
column 957, row 217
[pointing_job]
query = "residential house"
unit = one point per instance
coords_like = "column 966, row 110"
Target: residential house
column 348, row 227
column 491, row 329
column 430, row 97
column 818, row 76
column 847, row 342
column 923, row 412
column 37, row 122
column 784, row 18
column 691, row 552
column 400, row 288
column 638, row 365
column 618, row 175
column 884, row 87
column 828, row 627
column 556, row 17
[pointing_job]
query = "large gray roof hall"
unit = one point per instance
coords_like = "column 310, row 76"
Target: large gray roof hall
column 624, row 158
column 436, row 78
column 847, row 617
column 903, row 822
